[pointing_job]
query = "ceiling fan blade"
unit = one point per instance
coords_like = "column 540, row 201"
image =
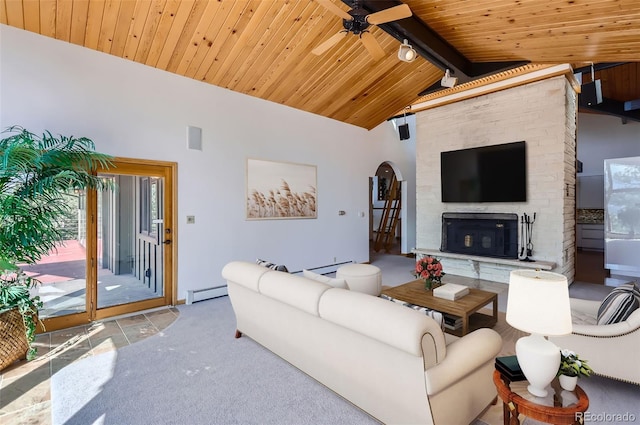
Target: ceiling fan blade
column 372, row 45
column 335, row 9
column 329, row 43
column 391, row 14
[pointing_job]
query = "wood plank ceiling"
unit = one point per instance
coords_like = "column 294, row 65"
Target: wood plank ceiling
column 262, row 48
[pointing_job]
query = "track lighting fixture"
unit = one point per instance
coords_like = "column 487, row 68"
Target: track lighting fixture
column 403, row 129
column 448, row 80
column 406, row 53
column 591, row 93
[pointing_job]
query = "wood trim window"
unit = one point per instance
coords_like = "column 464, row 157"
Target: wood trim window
column 149, row 203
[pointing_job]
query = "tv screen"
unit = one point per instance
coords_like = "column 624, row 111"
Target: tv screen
column 496, row 173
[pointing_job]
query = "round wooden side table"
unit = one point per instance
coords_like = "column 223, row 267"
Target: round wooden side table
column 558, row 407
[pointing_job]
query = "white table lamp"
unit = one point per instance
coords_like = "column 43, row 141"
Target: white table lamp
column 538, row 303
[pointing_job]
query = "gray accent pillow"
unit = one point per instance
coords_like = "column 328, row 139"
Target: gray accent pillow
column 269, row 265
column 618, row 305
column 434, row 314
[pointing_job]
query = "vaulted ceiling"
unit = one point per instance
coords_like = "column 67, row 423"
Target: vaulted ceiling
column 263, row 48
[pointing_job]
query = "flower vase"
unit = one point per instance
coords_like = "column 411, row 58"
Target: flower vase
column 568, row 382
column 429, row 284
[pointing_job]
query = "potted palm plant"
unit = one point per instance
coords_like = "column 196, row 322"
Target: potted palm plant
column 35, row 173
column 18, row 314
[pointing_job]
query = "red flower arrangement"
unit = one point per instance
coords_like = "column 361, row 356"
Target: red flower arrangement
column 430, row 269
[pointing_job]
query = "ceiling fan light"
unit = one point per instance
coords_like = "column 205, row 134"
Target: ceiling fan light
column 406, row 53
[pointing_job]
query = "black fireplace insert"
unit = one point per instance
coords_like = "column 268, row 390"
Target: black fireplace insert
column 483, row 234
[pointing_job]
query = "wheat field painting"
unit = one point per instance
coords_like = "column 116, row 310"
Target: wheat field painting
column 280, row 190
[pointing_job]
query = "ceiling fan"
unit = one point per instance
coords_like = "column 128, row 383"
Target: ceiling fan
column 357, row 21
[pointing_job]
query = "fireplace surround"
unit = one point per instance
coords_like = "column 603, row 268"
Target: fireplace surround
column 482, row 234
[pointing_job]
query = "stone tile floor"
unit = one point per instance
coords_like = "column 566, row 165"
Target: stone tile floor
column 25, row 393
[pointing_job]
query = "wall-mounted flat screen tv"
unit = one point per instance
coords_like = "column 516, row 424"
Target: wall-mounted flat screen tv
column 496, row 173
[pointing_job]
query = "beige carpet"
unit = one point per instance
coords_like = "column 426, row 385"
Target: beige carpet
column 493, row 415
column 509, row 335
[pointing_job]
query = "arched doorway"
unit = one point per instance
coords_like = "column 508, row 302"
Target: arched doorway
column 387, row 214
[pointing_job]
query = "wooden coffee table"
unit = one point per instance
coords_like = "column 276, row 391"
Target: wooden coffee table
column 466, row 307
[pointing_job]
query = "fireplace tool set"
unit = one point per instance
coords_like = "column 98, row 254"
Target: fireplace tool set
column 526, row 230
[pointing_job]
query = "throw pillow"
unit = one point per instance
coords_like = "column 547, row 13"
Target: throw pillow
column 618, row 305
column 434, row 314
column 269, row 265
column 336, row 283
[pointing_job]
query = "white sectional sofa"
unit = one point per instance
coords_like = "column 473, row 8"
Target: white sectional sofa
column 393, row 362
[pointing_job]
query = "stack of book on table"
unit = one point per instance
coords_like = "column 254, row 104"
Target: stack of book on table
column 509, row 367
column 451, row 291
column 452, row 322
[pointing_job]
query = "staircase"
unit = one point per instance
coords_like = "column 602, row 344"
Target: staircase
column 389, row 221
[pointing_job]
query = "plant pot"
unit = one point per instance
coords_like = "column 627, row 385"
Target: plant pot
column 13, row 339
column 568, row 382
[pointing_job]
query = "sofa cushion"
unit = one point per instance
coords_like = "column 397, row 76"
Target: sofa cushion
column 336, row 283
column 272, row 266
column 434, row 314
column 293, row 290
column 244, row 273
column 618, row 305
column 381, row 320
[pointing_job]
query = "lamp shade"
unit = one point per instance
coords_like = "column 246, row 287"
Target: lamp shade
column 538, row 302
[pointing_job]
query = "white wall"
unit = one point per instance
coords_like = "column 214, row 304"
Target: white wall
column 388, row 143
column 131, row 110
column 602, row 137
column 540, row 113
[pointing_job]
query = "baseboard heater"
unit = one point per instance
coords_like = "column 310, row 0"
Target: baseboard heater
column 328, row 269
column 195, row 295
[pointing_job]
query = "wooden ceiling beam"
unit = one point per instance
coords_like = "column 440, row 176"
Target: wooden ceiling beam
column 613, row 107
column 431, row 46
column 597, row 67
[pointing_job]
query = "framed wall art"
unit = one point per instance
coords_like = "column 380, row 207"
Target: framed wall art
column 280, row 190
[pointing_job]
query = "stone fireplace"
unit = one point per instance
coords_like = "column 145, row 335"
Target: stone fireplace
column 547, row 122
column 483, row 234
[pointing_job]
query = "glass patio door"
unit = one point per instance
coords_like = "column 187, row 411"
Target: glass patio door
column 63, row 272
column 118, row 257
column 130, row 240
